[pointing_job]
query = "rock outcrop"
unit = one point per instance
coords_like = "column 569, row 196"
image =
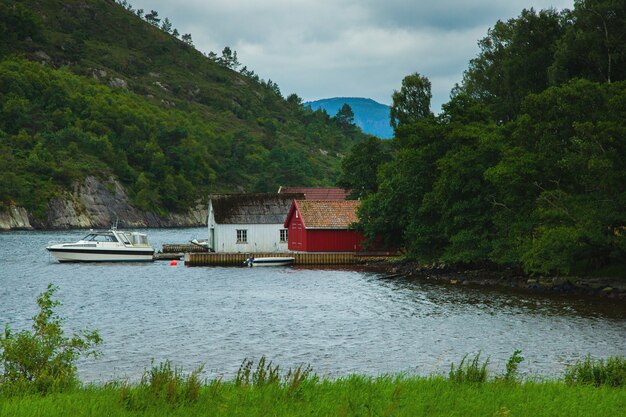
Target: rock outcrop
column 14, row 218
column 94, row 204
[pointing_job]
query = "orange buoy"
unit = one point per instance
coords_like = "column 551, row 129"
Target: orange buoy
column 173, row 263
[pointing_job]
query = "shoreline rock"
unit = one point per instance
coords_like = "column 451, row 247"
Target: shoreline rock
column 96, row 204
column 15, row 218
column 604, row 287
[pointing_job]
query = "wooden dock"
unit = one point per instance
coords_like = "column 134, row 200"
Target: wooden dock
column 170, row 248
column 326, row 258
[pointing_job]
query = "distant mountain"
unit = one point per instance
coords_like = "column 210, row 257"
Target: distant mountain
column 372, row 117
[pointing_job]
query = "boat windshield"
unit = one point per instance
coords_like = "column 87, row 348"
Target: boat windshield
column 100, row 237
column 139, row 239
column 124, row 238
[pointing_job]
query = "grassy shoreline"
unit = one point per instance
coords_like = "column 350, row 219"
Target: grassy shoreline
column 350, row 396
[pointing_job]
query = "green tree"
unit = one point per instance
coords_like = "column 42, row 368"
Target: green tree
column 152, row 18
column 293, row 99
column 345, row 116
column 229, row 58
column 43, row 360
column 513, row 61
column 594, row 44
column 17, row 23
column 559, row 181
column 187, row 39
column 402, row 184
column 166, row 25
column 359, row 170
column 412, row 102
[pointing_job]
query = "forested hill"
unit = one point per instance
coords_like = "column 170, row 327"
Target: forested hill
column 372, row 117
column 95, row 88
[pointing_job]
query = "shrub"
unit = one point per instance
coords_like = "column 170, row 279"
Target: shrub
column 598, row 372
column 43, row 360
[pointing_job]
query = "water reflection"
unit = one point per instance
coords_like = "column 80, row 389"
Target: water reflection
column 514, row 300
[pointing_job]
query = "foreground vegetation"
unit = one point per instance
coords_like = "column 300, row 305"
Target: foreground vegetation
column 350, row 396
column 38, row 378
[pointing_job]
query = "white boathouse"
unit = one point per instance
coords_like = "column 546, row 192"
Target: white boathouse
column 248, row 223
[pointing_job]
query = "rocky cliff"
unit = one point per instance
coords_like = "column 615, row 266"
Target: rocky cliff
column 96, row 204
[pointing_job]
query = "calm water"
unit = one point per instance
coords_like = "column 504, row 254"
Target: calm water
column 338, row 320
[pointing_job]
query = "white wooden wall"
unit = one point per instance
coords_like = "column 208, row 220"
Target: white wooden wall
column 261, row 238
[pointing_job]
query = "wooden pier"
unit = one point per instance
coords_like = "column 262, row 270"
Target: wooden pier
column 326, row 258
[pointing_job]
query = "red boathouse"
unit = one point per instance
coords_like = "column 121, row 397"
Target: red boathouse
column 323, row 226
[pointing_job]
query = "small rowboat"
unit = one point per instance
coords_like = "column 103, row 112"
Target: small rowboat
column 270, row 261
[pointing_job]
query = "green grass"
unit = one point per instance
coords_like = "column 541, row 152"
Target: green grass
column 349, row 396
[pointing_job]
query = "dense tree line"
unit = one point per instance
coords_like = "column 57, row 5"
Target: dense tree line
column 56, row 128
column 525, row 166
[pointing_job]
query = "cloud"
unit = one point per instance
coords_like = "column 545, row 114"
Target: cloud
column 359, row 48
column 445, row 14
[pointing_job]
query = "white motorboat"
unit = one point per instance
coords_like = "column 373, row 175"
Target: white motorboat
column 105, row 246
column 270, row 261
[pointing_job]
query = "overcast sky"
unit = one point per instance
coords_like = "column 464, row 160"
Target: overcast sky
column 345, row 48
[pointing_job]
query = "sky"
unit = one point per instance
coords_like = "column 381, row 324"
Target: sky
column 346, row 48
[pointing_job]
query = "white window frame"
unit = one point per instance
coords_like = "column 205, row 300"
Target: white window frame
column 242, row 236
column 284, row 235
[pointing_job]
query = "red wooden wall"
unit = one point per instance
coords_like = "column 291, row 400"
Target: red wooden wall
column 315, row 240
column 333, row 240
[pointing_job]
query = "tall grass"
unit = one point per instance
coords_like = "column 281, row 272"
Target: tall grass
column 261, row 389
column 354, row 395
column 267, row 374
column 611, row 372
column 163, row 385
column 472, row 372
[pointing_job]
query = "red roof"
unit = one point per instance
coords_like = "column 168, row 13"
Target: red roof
column 326, row 214
column 317, row 193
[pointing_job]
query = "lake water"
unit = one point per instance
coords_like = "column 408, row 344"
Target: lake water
column 340, row 321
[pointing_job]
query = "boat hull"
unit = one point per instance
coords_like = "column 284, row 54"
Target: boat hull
column 273, row 261
column 101, row 255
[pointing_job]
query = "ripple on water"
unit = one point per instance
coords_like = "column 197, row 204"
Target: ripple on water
column 339, row 321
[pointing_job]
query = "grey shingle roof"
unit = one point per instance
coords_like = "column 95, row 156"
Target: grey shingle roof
column 265, row 208
column 318, row 193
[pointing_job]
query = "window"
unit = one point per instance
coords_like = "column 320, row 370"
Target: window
column 283, row 235
column 242, row 236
